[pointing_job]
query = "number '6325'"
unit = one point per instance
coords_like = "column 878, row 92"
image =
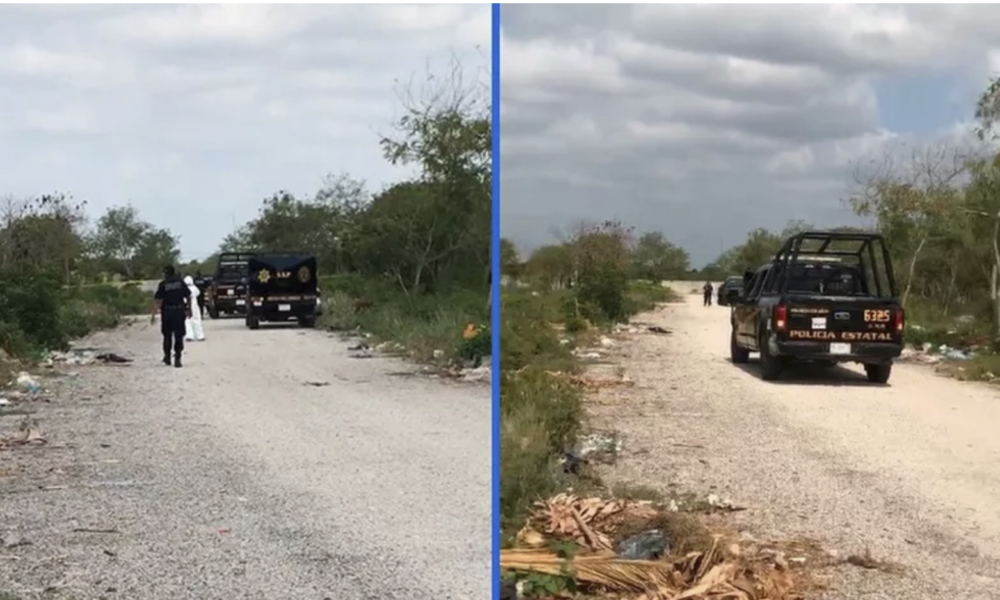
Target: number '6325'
column 877, row 316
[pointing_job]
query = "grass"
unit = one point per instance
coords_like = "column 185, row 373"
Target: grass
column 926, row 327
column 425, row 328
column 540, row 415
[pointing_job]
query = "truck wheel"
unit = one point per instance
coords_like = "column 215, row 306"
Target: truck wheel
column 737, row 354
column 308, row 322
column 770, row 366
column 253, row 322
column 213, row 312
column 878, row 373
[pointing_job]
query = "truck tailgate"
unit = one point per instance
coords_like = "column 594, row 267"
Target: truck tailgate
column 846, row 319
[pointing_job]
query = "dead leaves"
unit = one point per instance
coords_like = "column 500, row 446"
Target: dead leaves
column 589, row 522
column 27, row 436
column 593, row 383
column 716, row 572
column 711, row 575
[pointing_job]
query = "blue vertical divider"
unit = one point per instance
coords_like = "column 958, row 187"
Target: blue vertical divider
column 495, row 275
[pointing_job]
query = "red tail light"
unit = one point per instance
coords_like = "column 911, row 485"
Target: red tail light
column 899, row 321
column 780, row 317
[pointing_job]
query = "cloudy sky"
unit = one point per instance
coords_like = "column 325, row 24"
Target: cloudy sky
column 706, row 121
column 194, row 113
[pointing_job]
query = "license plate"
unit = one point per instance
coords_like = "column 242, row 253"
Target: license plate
column 836, row 348
column 241, row 302
column 284, row 307
column 229, row 292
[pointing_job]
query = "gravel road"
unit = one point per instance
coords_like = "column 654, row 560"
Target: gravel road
column 910, row 471
column 273, row 465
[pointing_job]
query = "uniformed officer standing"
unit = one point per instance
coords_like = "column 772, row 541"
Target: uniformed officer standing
column 201, row 284
column 172, row 299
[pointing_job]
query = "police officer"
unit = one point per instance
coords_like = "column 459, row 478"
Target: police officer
column 172, row 299
column 707, row 291
column 200, row 283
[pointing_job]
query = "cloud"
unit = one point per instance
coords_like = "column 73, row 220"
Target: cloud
column 704, row 121
column 195, row 113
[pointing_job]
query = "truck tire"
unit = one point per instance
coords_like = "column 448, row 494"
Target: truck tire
column 737, row 354
column 253, row 322
column 770, row 366
column 308, row 322
column 213, row 312
column 878, row 373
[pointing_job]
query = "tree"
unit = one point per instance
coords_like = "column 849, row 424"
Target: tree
column 510, row 260
column 43, row 232
column 655, row 258
column 158, row 247
column 125, row 244
column 601, row 259
column 913, row 203
column 550, row 266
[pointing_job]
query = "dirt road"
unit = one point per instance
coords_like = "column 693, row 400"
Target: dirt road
column 910, row 471
column 272, row 465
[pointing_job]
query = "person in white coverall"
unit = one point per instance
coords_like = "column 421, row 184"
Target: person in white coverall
column 193, row 328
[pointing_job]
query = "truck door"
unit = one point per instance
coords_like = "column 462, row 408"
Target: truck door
column 747, row 313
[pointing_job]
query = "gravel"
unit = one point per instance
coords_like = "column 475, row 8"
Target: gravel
column 272, row 465
column 909, row 471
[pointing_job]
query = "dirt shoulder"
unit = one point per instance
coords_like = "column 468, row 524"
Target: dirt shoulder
column 907, row 471
column 273, row 465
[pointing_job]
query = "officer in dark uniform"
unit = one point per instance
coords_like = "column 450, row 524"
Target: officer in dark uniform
column 172, row 299
column 707, row 293
column 201, row 284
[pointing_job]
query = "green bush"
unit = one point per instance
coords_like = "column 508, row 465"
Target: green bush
column 38, row 313
column 30, row 310
column 527, row 336
column 421, row 324
column 540, row 415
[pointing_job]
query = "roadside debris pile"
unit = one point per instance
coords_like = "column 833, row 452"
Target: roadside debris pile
column 27, row 435
column 593, row 447
column 27, row 384
column 83, row 356
column 592, row 383
column 632, row 550
column 929, row 354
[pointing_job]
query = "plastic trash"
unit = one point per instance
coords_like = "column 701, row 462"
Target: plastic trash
column 27, row 383
column 648, row 545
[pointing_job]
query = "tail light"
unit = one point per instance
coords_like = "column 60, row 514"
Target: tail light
column 780, row 317
column 899, row 321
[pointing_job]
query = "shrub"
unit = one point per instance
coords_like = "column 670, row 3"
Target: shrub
column 420, row 323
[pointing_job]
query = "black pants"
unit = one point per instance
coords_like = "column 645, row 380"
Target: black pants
column 172, row 328
column 708, row 298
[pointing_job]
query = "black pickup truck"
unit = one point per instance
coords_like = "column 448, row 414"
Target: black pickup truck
column 730, row 289
column 826, row 297
column 227, row 294
column 283, row 286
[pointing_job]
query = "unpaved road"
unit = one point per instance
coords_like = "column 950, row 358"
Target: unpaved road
column 910, row 471
column 234, row 478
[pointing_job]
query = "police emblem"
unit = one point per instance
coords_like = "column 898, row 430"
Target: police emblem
column 304, row 274
column 263, row 276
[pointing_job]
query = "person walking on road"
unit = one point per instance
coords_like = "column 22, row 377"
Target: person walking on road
column 173, row 301
column 707, row 291
column 193, row 331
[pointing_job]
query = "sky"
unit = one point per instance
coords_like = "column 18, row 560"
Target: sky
column 196, row 113
column 706, row 121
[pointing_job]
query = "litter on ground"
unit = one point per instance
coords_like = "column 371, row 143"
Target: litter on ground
column 628, row 549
